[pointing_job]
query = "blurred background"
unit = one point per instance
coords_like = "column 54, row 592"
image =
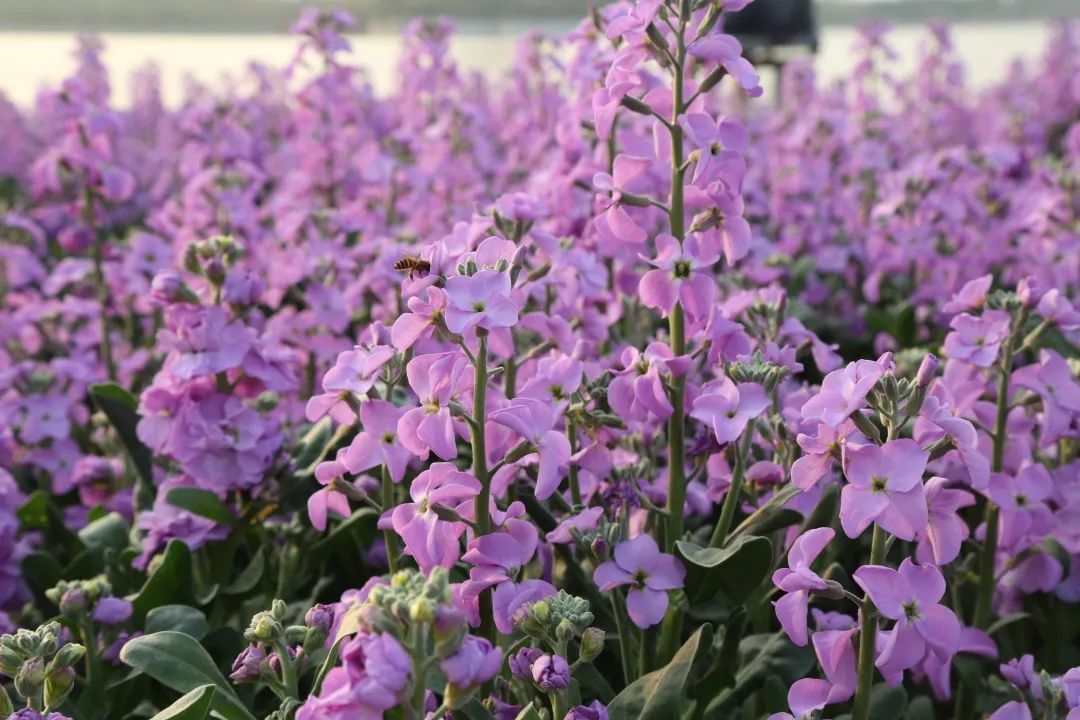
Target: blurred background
column 209, row 40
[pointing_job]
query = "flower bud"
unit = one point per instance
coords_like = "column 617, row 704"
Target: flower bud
column 67, row 656
column 58, row 685
column 521, row 662
column 31, row 677
column 73, row 602
column 263, row 628
column 551, row 672
column 926, row 370
column 422, row 610
column 278, row 608
column 592, row 644
column 6, row 707
column 248, row 665
column 320, row 617
column 564, row 632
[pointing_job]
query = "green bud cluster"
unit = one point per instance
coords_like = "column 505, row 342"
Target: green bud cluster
column 41, row 667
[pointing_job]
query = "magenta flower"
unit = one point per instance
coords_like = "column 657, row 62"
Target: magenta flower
column 534, row 421
column 939, row 543
column 910, row 597
column 976, row 340
column 421, row 320
column 354, row 373
column 727, row 51
column 843, row 392
column 378, row 443
column 885, row 486
column 822, row 450
column 472, row 664
column 373, row 678
column 727, row 408
column 798, row 581
column 679, row 277
column 614, row 222
column 480, row 301
column 557, row 378
column 330, row 474
column 637, row 390
column 431, row 541
column 649, row 573
column 436, row 379
column 510, row 597
column 1053, row 381
column 497, row 558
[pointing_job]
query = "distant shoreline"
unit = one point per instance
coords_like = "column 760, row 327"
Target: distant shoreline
column 276, row 23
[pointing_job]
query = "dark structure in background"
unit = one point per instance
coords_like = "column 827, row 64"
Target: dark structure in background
column 771, row 30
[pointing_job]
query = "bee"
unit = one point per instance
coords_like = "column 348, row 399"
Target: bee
column 414, row 265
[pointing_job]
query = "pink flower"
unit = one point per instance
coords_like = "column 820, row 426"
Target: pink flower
column 378, row 444
column 727, row 408
column 976, row 340
column 637, row 390
column 884, row 486
column 821, row 451
column 797, row 580
column 680, row 277
column 436, row 379
column 727, row 51
column 330, row 474
column 480, row 301
column 843, row 392
column 614, row 223
column 419, row 324
column 939, row 543
column 534, row 421
column 971, row 296
column 1053, row 381
column 910, row 596
column 354, row 373
column 431, row 541
column 649, row 573
column 557, row 378
column 472, row 664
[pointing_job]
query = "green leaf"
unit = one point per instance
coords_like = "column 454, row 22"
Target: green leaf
column 1007, row 620
column 193, row 706
column 734, row 571
column 529, row 712
column 311, row 447
column 760, row 657
column 662, row 694
column 170, row 583
column 34, row 514
column 180, row 618
column 201, row 502
column 41, row 571
column 110, row 531
column 887, row 703
column 179, row 662
column 250, row 577
column 362, row 523
column 921, row 708
column 772, row 515
column 120, row 407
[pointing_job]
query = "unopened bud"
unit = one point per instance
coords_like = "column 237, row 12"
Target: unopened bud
column 926, row 371
column 58, row 685
column 592, row 644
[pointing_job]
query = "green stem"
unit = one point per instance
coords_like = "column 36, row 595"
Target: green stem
column 480, row 471
column 867, row 635
column 676, row 498
column 575, row 484
column 390, row 537
column 731, row 500
column 288, row 669
column 626, row 652
column 95, row 689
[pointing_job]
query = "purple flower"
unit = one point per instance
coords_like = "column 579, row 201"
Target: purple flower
column 112, row 610
column 821, row 451
column 595, row 710
column 1052, row 380
column 637, row 390
column 977, row 339
column 680, row 276
column 885, row 486
column 474, row 663
column 522, row 661
column 320, row 617
column 436, row 379
column 843, row 392
column 614, row 222
column 939, row 543
column 727, row 407
column 509, row 598
column 480, row 301
column 649, row 573
column 727, row 51
column 534, row 421
column 378, row 444
column 248, row 666
column 551, row 672
column 798, row 581
column 330, row 474
column 431, row 541
column 910, row 596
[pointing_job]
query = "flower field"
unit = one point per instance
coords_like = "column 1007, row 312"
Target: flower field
column 602, row 389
